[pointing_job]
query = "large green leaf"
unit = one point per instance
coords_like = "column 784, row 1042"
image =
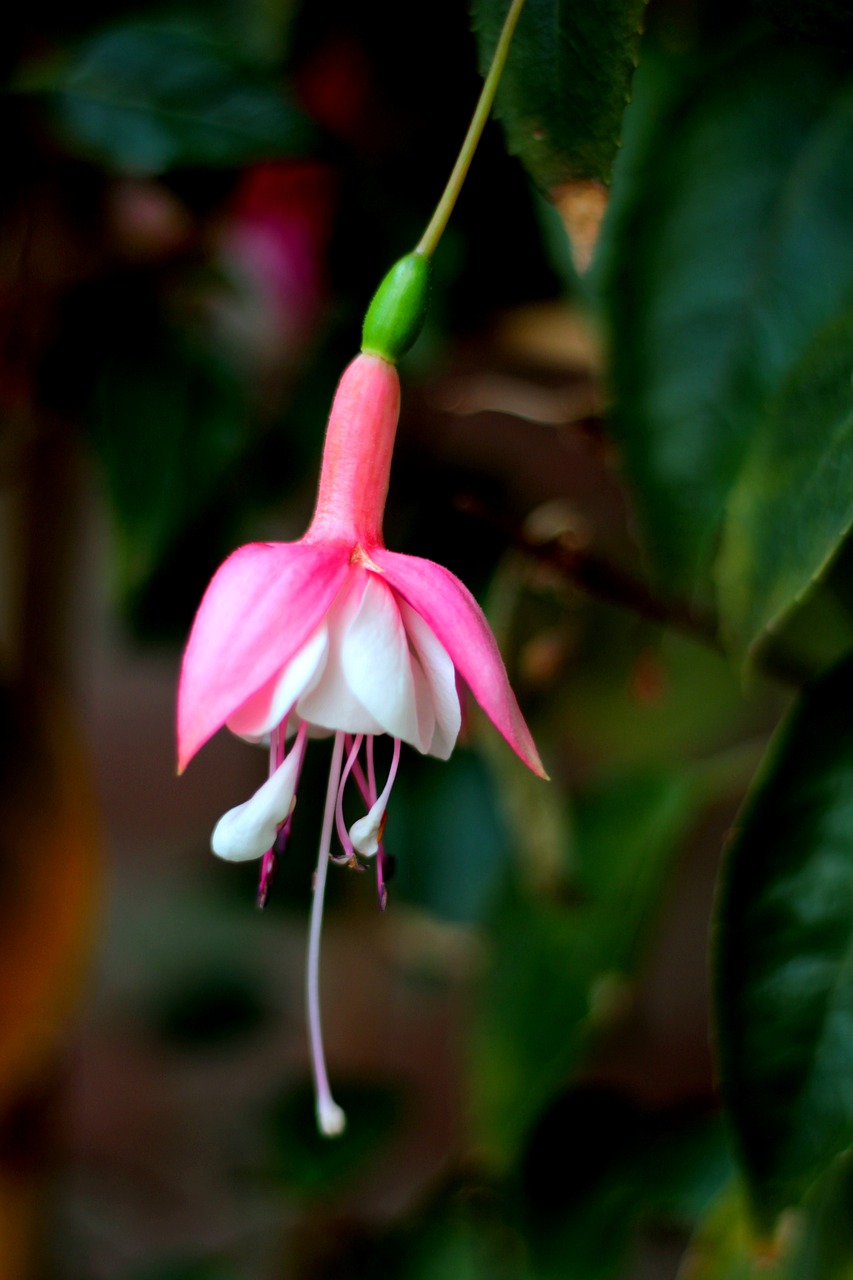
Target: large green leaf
column 793, row 501
column 731, row 251
column 567, row 79
column 562, row 964
column 784, row 954
column 147, row 97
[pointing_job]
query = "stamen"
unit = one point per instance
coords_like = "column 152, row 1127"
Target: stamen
column 383, row 862
column 366, row 834
column 269, row 866
column 269, row 863
column 371, row 770
column 361, row 780
column 330, row 1118
column 367, row 786
column 343, row 835
column 386, row 865
column 380, row 880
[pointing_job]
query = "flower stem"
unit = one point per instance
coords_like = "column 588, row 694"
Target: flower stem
column 444, row 208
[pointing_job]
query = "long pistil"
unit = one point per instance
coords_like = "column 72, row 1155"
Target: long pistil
column 330, row 1117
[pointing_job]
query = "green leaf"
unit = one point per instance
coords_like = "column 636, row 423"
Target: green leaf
column 784, row 954
column 731, row 252
column 816, row 634
column 147, row 97
column 561, row 966
column 793, row 501
column 566, row 82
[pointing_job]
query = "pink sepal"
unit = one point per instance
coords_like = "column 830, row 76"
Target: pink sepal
column 460, row 624
column 259, row 609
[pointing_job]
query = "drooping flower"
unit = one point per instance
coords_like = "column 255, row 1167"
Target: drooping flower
column 334, row 634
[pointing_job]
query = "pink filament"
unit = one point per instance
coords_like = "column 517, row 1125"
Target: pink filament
column 343, row 834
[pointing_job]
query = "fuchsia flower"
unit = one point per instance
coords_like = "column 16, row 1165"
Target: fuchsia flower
column 334, row 634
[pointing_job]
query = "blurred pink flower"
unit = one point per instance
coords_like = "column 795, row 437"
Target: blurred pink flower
column 271, row 245
column 334, row 634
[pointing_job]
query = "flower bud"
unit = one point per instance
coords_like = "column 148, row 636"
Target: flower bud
column 396, row 315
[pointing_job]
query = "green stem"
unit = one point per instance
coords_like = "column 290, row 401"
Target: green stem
column 444, row 208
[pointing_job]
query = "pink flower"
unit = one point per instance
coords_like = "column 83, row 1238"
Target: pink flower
column 271, row 244
column 334, row 634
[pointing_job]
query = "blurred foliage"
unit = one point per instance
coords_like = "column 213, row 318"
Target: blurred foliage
column 450, row 832
column 305, row 1162
column 810, row 1243
column 645, row 469
column 171, row 395
column 145, row 98
column 784, row 1007
column 563, row 964
column 636, row 1168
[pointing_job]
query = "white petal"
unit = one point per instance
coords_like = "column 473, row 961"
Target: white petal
column 250, row 829
column 330, row 703
column 440, row 674
column 260, row 714
column 424, row 703
column 378, row 666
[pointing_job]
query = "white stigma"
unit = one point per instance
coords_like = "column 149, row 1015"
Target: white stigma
column 331, row 1119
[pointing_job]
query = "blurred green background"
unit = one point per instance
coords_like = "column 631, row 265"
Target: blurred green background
column 198, row 201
